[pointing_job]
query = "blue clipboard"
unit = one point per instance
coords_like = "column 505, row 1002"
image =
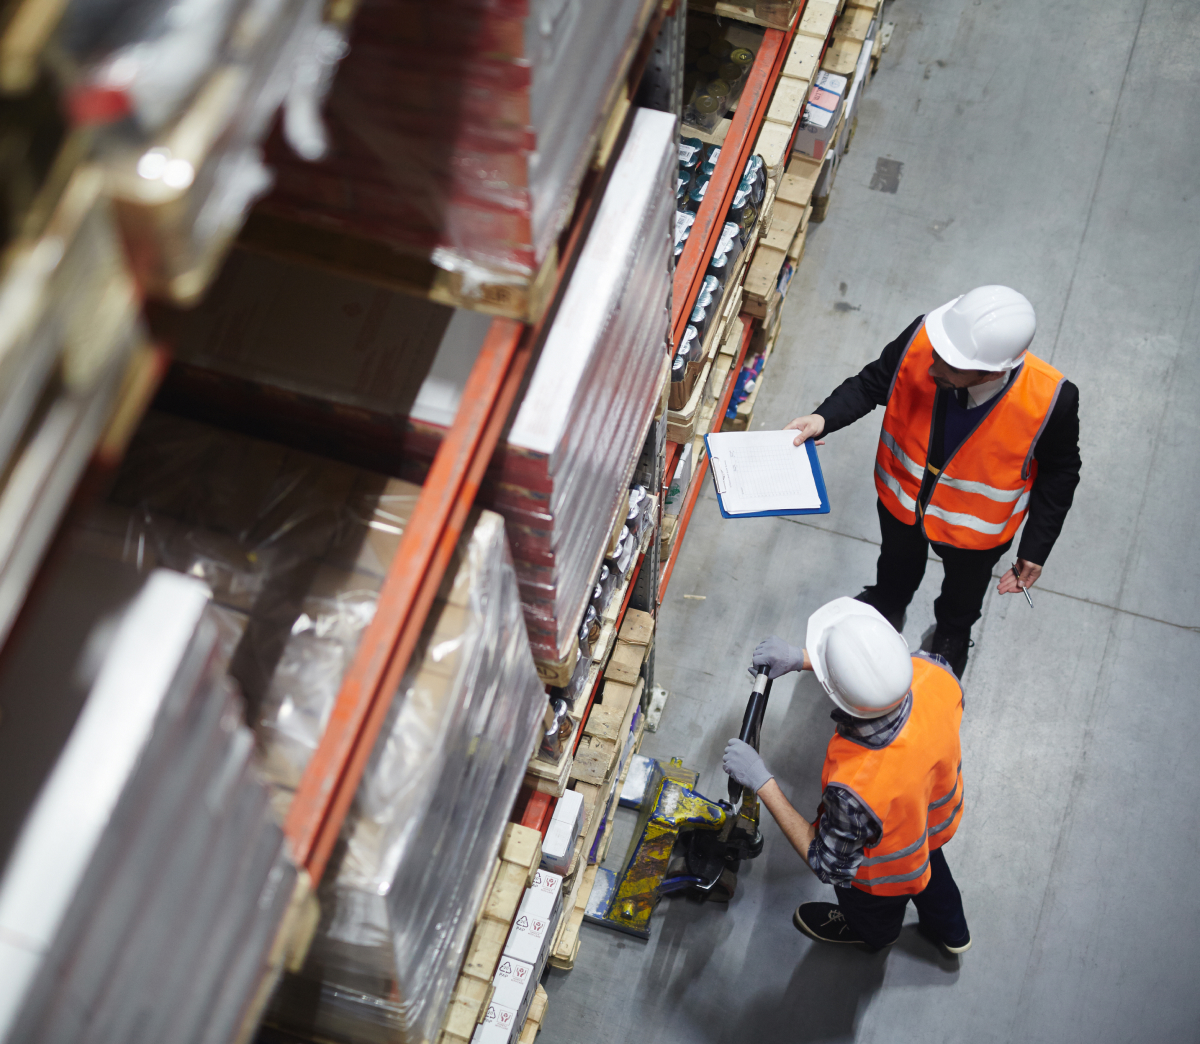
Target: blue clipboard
column 818, row 478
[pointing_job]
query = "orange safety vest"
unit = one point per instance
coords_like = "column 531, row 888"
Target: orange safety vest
column 913, row 786
column 982, row 492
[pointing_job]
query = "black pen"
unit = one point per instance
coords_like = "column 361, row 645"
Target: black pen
column 1023, row 590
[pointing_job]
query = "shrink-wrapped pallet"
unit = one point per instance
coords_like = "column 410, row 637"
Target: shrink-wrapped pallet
column 570, row 453
column 400, row 900
column 295, row 548
column 285, row 342
column 144, row 879
column 463, row 127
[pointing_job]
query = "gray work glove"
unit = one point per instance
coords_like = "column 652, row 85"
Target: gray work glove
column 742, row 762
column 778, row 657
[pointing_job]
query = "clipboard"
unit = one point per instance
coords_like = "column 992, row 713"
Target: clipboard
column 719, row 472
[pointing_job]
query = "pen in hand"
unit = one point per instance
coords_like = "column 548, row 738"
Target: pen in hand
column 1023, row 589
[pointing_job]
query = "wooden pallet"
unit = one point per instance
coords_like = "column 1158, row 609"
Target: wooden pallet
column 512, row 873
column 537, row 1012
column 287, row 953
column 553, row 777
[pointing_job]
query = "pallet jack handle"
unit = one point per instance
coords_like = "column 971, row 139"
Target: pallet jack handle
column 756, row 708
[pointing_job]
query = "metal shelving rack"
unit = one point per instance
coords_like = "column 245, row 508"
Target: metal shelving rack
column 698, row 251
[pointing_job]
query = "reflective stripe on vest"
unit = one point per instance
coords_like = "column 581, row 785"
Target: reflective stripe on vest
column 980, row 497
column 913, row 786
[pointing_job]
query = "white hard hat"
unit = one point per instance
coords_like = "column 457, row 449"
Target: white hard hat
column 858, row 657
column 988, row 328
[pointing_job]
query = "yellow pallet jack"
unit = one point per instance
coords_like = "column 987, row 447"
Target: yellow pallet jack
column 685, row 843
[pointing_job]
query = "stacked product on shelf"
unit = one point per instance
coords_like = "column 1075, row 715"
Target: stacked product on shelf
column 296, row 548
column 399, row 902
column 463, row 129
column 264, row 333
column 144, row 880
column 569, row 456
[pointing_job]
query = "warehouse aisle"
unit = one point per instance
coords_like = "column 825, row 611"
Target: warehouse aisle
column 1045, row 146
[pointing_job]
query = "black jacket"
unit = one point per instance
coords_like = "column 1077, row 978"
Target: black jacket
column 1057, row 451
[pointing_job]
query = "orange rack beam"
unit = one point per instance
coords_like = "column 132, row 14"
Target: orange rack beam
column 739, row 141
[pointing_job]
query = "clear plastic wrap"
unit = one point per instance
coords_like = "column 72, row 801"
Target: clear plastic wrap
column 144, row 894
column 295, row 549
column 462, row 128
column 570, row 452
column 398, row 904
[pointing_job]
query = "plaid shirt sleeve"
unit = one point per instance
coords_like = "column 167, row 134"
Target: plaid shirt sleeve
column 844, row 829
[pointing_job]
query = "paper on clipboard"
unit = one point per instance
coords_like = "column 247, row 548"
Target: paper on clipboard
column 761, row 471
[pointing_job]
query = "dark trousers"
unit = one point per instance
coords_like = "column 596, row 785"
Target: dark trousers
column 877, row 918
column 902, row 559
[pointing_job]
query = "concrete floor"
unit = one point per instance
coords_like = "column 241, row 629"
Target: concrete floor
column 1053, row 147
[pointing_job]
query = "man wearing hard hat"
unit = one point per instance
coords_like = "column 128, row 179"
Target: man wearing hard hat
column 892, row 783
column 977, row 432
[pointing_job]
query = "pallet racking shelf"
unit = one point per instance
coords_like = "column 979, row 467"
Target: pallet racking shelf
column 701, row 466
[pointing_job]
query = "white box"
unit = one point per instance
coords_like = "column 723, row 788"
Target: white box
column 819, row 120
column 500, row 1025
column 539, row 911
column 559, row 843
column 680, row 482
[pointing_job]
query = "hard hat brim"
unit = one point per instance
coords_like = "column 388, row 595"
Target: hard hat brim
column 935, row 328
column 820, row 624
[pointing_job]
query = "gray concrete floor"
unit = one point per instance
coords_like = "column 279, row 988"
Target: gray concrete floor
column 1053, row 147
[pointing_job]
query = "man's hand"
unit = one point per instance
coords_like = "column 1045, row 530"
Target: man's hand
column 810, row 427
column 1029, row 571
column 779, row 658
column 742, row 762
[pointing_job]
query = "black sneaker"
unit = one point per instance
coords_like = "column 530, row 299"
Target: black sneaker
column 825, row 923
column 954, row 649
column 950, row 951
column 867, row 595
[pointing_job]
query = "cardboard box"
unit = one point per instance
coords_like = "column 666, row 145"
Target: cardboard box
column 559, row 843
column 819, row 121
column 538, row 913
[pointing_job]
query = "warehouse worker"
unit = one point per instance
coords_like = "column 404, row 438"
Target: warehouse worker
column 977, row 431
column 892, row 782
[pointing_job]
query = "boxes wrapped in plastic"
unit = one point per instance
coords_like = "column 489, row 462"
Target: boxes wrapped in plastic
column 570, row 453
column 400, row 900
column 463, row 127
column 295, row 548
column 144, row 893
